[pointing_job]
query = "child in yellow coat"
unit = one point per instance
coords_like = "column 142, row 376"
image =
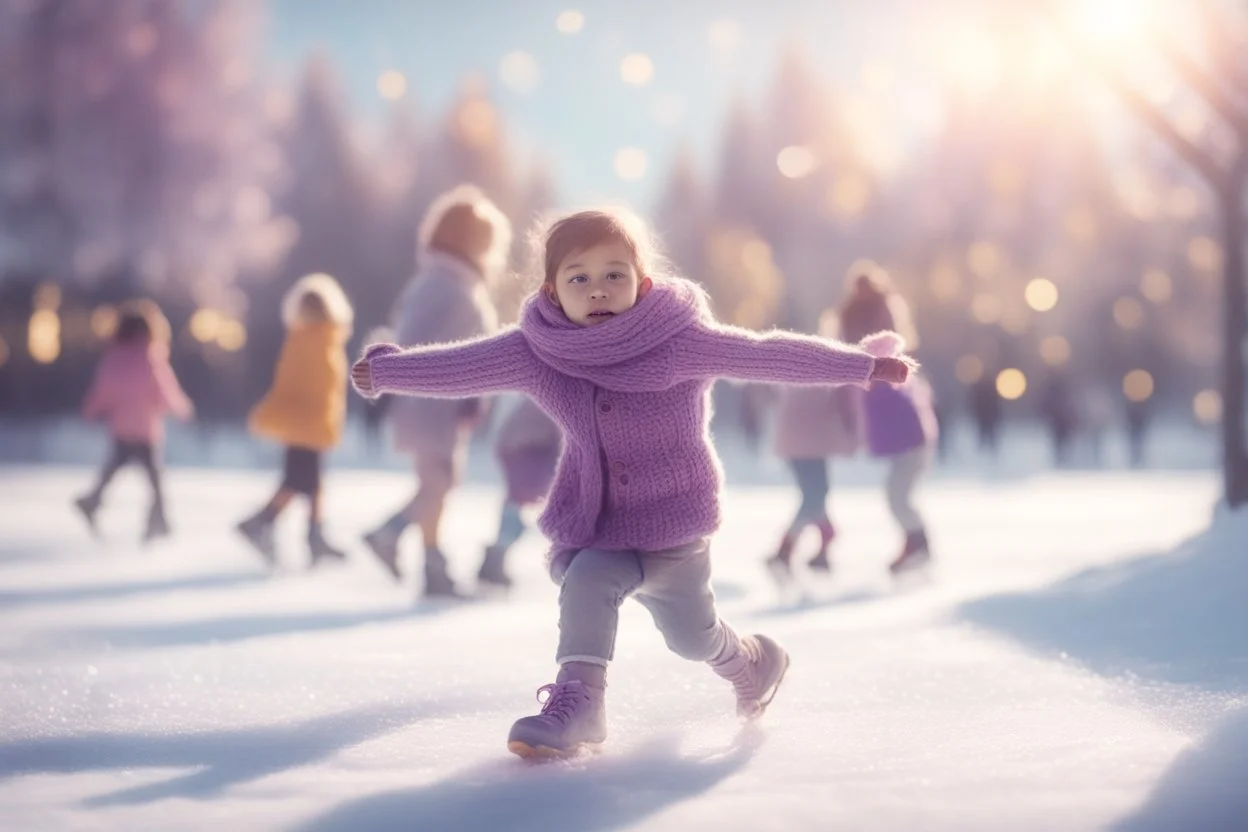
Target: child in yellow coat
column 306, row 406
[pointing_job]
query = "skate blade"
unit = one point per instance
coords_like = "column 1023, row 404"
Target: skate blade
column 542, row 753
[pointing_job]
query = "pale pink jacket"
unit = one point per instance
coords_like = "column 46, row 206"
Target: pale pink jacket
column 817, row 422
column 134, row 388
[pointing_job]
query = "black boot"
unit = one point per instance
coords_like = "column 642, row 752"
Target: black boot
column 320, row 548
column 438, row 583
column 491, row 571
column 258, row 529
column 88, row 505
column 157, row 524
column 914, row 555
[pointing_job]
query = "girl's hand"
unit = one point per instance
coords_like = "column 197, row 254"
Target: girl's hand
column 362, row 377
column 892, row 370
column 362, row 370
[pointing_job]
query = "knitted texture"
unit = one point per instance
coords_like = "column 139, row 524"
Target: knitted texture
column 632, row 398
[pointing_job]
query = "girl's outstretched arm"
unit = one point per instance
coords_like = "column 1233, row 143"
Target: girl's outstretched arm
column 469, row 368
column 721, row 351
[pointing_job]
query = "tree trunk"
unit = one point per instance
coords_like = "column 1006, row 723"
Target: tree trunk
column 1235, row 338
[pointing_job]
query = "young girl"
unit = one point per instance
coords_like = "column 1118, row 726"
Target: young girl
column 900, row 421
column 623, row 359
column 812, row 424
column 134, row 388
column 464, row 240
column 528, row 448
column 305, row 408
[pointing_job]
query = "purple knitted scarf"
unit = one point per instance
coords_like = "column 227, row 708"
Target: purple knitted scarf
column 608, row 354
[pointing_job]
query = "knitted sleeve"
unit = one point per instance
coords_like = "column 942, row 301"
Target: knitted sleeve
column 468, row 368
column 721, row 351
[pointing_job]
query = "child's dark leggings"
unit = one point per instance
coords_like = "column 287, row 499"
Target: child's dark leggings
column 125, row 452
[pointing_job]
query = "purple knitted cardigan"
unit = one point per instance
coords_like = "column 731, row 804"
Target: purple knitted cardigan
column 632, row 398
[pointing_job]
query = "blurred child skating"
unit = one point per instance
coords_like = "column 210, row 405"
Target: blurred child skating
column 813, row 424
column 623, row 358
column 463, row 240
column 133, row 390
column 899, row 420
column 527, row 448
column 305, row 408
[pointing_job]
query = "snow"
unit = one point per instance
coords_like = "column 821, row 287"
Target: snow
column 1079, row 660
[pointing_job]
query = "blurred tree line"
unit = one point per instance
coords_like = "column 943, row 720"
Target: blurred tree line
column 143, row 151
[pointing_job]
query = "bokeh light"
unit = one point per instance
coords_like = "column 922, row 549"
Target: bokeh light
column 1156, row 286
column 43, row 336
column 1011, row 383
column 205, row 324
column 796, row 162
column 1137, row 385
column 391, row 85
column 104, row 321
column 1041, row 294
column 986, row 308
column 1128, row 313
column 637, row 69
column 630, row 163
column 1207, row 407
column 1055, row 351
column 231, row 335
column 970, row 369
column 570, row 22
column 519, row 71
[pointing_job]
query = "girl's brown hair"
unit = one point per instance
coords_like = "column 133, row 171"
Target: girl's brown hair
column 586, row 229
column 141, row 319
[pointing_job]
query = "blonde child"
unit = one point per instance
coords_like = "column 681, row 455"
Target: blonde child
column 899, row 419
column 305, row 408
column 813, row 424
column 527, row 448
column 134, row 388
column 463, row 245
column 623, row 357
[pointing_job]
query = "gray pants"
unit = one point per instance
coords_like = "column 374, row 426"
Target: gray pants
column 673, row 584
column 903, row 474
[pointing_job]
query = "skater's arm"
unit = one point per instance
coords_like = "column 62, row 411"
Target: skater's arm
column 469, row 368
column 98, row 400
column 172, row 397
column 720, row 351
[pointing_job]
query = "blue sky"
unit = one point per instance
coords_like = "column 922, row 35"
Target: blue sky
column 580, row 112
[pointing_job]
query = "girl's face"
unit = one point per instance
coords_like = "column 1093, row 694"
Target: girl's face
column 596, row 284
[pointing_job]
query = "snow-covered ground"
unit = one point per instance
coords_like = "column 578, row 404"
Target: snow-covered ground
column 1078, row 661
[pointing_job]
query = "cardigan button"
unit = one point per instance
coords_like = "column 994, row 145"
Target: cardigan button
column 618, row 465
column 623, row 479
column 605, row 407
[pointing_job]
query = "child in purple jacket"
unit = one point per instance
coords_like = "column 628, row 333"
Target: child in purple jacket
column 527, row 448
column 900, row 421
column 623, row 357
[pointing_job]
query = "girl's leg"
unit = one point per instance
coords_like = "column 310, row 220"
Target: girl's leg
column 157, row 522
column 118, row 456
column 510, row 529
column 573, row 714
column 811, row 476
column 89, row 503
column 677, row 592
column 903, row 476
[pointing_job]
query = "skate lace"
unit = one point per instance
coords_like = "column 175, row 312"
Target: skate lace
column 741, row 673
column 561, row 700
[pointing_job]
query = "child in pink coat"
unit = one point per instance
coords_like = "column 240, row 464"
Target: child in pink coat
column 133, row 390
column 813, row 424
